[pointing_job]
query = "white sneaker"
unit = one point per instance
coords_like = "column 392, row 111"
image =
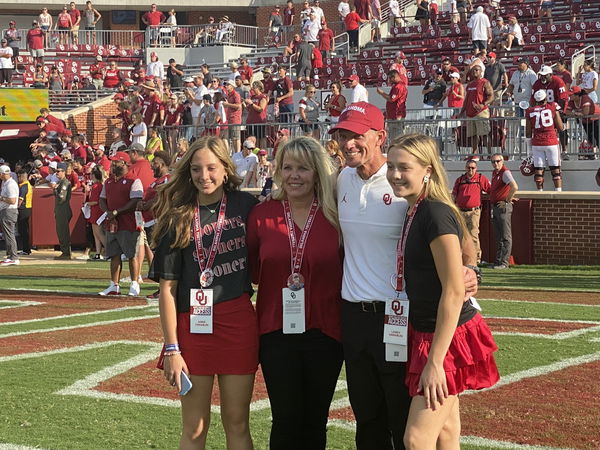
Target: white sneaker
column 112, row 289
column 83, row 257
column 134, row 289
column 10, row 262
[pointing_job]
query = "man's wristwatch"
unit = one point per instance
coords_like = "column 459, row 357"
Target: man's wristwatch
column 477, row 271
column 115, row 212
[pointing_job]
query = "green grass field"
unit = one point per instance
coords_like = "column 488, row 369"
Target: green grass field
column 92, row 384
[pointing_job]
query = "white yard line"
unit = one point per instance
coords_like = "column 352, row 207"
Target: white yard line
column 557, row 336
column 75, row 327
column 503, row 300
column 67, row 316
column 540, row 370
column 18, row 304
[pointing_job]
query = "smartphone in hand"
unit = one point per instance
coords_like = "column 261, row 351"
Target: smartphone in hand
column 186, row 383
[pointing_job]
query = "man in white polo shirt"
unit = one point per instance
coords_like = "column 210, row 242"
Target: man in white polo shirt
column 9, row 196
column 371, row 219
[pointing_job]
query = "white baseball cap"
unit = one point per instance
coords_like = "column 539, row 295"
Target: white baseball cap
column 4, row 170
column 540, row 95
column 545, row 70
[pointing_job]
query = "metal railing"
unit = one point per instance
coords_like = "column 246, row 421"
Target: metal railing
column 506, row 136
column 85, row 40
column 66, row 100
column 202, row 35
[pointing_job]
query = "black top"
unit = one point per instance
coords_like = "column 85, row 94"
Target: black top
column 423, row 286
column 232, row 277
column 175, row 79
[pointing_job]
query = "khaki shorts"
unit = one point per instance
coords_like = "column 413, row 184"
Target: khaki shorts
column 481, row 126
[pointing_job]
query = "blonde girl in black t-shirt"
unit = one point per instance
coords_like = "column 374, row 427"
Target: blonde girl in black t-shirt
column 200, row 239
column 443, row 359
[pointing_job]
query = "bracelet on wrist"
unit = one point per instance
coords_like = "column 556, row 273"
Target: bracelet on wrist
column 172, row 347
column 171, row 354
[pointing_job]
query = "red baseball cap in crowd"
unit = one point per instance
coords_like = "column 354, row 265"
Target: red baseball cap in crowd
column 359, row 118
column 118, row 96
column 400, row 54
column 121, row 156
column 575, row 90
column 491, row 55
column 352, row 78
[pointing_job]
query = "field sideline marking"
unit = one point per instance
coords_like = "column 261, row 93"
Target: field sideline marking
column 68, row 316
column 82, row 325
column 503, row 300
column 557, row 336
column 19, row 304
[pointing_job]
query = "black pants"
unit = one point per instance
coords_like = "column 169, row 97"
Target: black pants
column 592, row 131
column 23, row 228
column 301, row 372
column 353, row 38
column 378, row 394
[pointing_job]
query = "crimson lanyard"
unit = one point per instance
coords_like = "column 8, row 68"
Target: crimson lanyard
column 204, row 262
column 401, row 246
column 297, row 248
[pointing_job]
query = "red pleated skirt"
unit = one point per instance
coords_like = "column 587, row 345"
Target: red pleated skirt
column 232, row 348
column 469, row 363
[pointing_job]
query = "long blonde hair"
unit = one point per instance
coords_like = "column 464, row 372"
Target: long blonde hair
column 177, row 199
column 425, row 150
column 308, row 151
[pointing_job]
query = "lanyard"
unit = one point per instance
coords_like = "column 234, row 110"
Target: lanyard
column 401, row 246
column 204, row 262
column 297, row 247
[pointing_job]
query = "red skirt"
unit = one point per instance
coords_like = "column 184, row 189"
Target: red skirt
column 469, row 362
column 231, row 349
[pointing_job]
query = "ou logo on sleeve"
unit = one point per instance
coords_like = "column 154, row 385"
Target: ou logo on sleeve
column 387, row 199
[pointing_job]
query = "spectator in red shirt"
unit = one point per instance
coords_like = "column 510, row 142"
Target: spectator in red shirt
column 285, row 95
column 363, row 9
column 480, row 95
column 467, row 196
column 172, row 120
column 35, row 43
column 326, row 40
column 400, row 67
column 352, row 22
column 564, row 73
column 233, row 110
column 152, row 108
column 245, row 70
column 152, row 19
column 112, row 76
column 317, row 63
column 63, row 25
column 97, row 73
column 448, row 69
column 455, row 92
column 395, row 105
column 101, row 159
column 288, row 14
column 79, row 149
column 75, row 21
column 140, row 167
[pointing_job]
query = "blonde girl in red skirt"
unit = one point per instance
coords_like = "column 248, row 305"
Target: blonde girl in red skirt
column 201, row 262
column 450, row 347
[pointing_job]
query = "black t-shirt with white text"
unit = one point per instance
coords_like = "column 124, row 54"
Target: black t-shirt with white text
column 232, row 276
